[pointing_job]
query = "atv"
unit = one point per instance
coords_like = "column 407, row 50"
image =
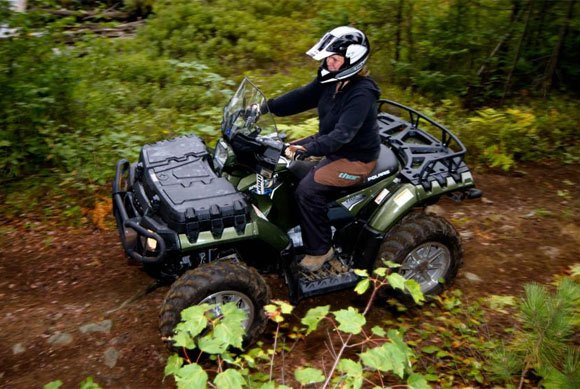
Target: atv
column 210, row 221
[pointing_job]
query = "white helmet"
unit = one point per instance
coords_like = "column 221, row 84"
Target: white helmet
column 349, row 42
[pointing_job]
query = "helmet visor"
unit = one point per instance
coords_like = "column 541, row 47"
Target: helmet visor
column 324, row 48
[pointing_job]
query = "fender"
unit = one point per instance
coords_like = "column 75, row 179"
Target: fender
column 394, row 206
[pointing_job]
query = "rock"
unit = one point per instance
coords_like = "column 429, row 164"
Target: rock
column 572, row 230
column 507, row 228
column 60, row 339
column 57, row 316
column 111, row 356
column 18, row 348
column 435, row 210
column 485, row 200
column 472, row 277
column 551, row 252
column 103, row 326
column 466, row 235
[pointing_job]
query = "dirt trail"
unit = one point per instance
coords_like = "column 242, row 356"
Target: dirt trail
column 61, row 287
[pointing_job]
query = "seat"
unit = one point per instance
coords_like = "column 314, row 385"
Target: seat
column 387, row 165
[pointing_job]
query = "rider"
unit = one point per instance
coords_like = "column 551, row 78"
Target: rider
column 347, row 137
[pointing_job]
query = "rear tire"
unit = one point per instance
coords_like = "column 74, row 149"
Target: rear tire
column 222, row 280
column 428, row 248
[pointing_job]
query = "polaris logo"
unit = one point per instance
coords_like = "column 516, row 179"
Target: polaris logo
column 379, row 175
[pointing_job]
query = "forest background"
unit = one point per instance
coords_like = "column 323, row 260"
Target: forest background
column 502, row 74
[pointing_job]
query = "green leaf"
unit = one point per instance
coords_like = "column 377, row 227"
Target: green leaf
column 350, row 367
column 396, row 281
column 414, row 290
column 53, row 385
column 88, row 383
column 194, row 319
column 284, row 306
column 397, row 339
column 362, row 286
column 353, row 374
column 212, row 345
column 182, row 339
column 361, row 273
column 350, row 320
column 388, row 357
column 191, row 376
column 497, row 302
column 381, row 271
column 308, row 375
column 229, row 379
column 431, row 349
column 378, row 331
column 313, row 317
column 195, row 311
column 174, row 363
column 230, row 329
column 417, row 381
column 391, row 264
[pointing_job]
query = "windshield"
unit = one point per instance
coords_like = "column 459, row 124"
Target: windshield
column 241, row 115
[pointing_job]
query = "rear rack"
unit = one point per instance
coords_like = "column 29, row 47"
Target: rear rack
column 425, row 157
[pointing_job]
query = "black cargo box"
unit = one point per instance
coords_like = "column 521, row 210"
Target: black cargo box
column 175, row 181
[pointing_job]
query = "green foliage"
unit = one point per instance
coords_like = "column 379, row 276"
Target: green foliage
column 69, row 110
column 247, row 35
column 314, row 316
column 393, row 356
column 350, row 320
column 382, row 352
column 36, row 100
column 87, row 383
column 308, row 375
column 544, row 341
column 53, row 385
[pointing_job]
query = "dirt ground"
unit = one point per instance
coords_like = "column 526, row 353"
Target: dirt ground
column 63, row 289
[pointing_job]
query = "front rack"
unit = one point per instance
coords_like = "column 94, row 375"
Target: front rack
column 426, row 158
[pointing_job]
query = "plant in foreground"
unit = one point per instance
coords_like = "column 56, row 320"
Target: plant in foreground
column 543, row 343
column 381, row 355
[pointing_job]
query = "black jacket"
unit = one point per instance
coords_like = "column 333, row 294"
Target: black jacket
column 348, row 118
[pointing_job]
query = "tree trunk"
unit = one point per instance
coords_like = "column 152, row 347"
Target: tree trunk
column 399, row 28
column 536, row 37
column 502, row 40
column 409, row 26
column 518, row 51
column 549, row 74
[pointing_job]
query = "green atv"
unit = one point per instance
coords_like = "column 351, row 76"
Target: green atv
column 210, row 221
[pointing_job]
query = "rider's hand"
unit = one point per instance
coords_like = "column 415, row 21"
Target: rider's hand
column 253, row 110
column 291, row 151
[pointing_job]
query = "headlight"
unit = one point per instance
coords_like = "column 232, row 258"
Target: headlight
column 220, row 155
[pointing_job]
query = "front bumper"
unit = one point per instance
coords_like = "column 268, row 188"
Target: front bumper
column 137, row 232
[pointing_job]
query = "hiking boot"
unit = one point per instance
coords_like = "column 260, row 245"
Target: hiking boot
column 315, row 262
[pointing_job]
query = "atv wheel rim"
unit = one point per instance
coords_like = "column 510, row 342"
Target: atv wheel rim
column 427, row 264
column 231, row 296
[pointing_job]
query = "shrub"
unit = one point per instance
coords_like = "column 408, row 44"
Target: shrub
column 382, row 353
column 543, row 343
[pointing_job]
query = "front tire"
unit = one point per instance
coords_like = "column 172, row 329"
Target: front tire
column 219, row 283
column 428, row 248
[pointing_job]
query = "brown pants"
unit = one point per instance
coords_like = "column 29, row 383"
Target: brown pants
column 343, row 172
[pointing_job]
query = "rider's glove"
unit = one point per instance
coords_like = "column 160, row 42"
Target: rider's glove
column 294, row 151
column 252, row 114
